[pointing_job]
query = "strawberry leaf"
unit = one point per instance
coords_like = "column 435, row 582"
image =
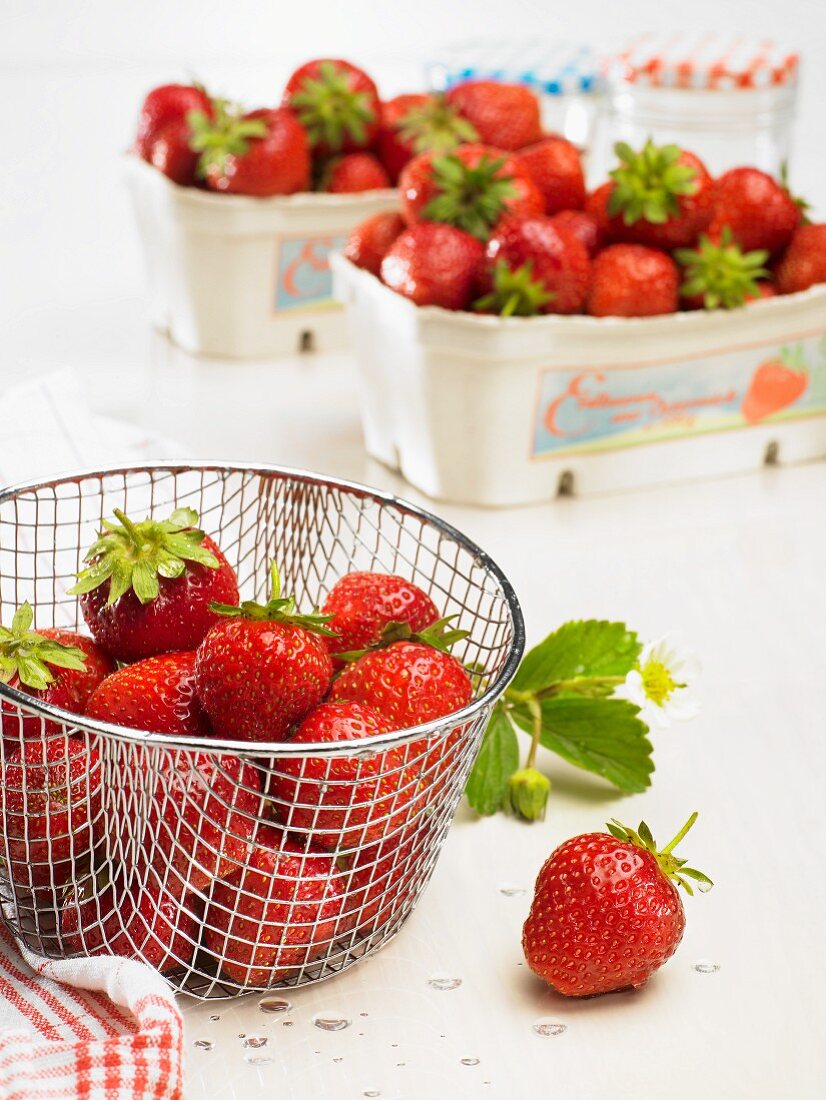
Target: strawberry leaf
column 579, row 649
column 497, row 761
column 30, row 656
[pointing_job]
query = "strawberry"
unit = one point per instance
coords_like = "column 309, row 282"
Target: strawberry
column 804, row 262
column 503, row 115
column 596, row 207
column 48, row 802
column 171, row 153
column 277, row 914
column 384, row 875
column 720, row 275
column 148, row 586
column 413, row 124
column 170, row 103
column 606, row 912
column 433, row 265
column 362, row 605
column 263, row 669
column 661, row 196
column 157, row 694
column 368, row 243
column 775, row 385
column 143, row 922
column 630, row 280
column 336, row 103
column 57, row 667
column 342, row 801
column 582, row 225
column 556, row 168
column 759, row 211
column 471, row 188
column 352, row 173
column 263, row 152
column 534, row 267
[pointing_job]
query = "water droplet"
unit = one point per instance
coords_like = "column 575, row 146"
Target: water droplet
column 330, row 1021
column 444, row 983
column 203, row 1044
column 508, row 891
column 242, row 1034
column 470, row 1061
column 363, row 1014
column 704, row 887
column 547, row 1026
column 274, row 1005
column 214, row 1018
column 256, row 1041
column 706, row 967
column 371, row 1092
column 401, row 1064
column 338, row 1059
column 259, row 1060
column 286, row 1023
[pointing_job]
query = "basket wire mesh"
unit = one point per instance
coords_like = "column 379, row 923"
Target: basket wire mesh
column 227, row 865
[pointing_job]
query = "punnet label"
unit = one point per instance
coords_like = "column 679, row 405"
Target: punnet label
column 302, row 273
column 583, row 409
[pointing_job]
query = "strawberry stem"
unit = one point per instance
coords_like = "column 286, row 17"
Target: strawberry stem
column 130, row 528
column 673, row 844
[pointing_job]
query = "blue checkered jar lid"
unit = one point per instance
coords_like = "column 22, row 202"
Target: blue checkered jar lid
column 550, row 68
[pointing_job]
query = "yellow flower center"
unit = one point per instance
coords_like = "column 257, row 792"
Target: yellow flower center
column 658, row 682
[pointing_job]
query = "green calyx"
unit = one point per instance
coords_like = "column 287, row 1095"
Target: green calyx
column 134, row 555
column 225, row 135
column 722, row 273
column 515, row 293
column 674, row 868
column 330, row 110
column 29, row 657
column 648, row 184
column 278, row 609
column 440, row 635
column 469, row 198
column 436, row 126
column 526, row 795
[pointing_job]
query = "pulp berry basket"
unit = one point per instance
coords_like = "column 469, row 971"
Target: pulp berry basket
column 104, row 831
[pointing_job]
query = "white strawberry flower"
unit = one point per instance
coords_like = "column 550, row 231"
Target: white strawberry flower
column 661, row 683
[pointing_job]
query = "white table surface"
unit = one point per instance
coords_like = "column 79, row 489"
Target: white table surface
column 738, row 566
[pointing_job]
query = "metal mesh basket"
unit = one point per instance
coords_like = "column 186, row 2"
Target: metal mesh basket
column 157, row 830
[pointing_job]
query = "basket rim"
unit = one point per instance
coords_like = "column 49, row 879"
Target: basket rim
column 283, row 749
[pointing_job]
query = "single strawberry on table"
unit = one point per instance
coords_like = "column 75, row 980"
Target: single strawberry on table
column 503, row 115
column 775, row 385
column 757, row 209
column 361, row 605
column 413, row 124
column 165, row 105
column 369, row 242
column 353, row 173
column 277, row 914
column 606, row 912
column 533, row 266
column 803, row 264
column 472, row 188
column 147, row 586
column 263, row 667
column 720, row 275
column 433, row 265
column 156, row 694
column 336, row 103
column 556, row 168
column 631, row 280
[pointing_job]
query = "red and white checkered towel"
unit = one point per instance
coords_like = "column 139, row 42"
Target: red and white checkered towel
column 86, row 1029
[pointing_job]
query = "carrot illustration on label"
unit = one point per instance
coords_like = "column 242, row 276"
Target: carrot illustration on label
column 777, row 383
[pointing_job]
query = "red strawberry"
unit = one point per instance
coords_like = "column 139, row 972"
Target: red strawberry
column 342, row 801
column 596, row 206
column 144, row 922
column 277, row 914
column 368, row 242
column 264, row 669
column 157, row 694
column 384, row 876
column 720, row 275
column 471, row 188
column 775, row 385
column 582, row 225
column 661, row 196
column 171, row 153
column 606, row 913
column 556, row 168
column 49, row 799
column 263, row 152
column 336, row 103
column 630, row 280
column 534, row 267
column 55, row 666
column 148, row 586
column 758, row 210
column 433, row 265
column 413, row 124
column 503, row 115
column 353, row 173
column 804, row 261
column 362, row 605
column 165, row 105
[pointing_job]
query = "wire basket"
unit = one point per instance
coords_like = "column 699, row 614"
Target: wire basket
column 233, row 866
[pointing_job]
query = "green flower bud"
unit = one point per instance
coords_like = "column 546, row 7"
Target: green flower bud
column 527, row 794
